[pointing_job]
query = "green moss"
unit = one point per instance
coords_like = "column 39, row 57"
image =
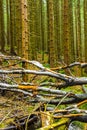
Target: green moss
column 62, row 71
column 83, row 106
column 73, row 89
column 47, row 65
column 2, row 125
column 78, row 124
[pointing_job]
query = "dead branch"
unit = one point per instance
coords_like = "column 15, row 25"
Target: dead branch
column 22, row 123
column 82, row 118
column 76, row 105
column 82, row 65
column 39, row 65
column 55, row 99
column 69, row 80
column 75, row 99
column 17, row 90
column 32, row 87
column 55, row 125
column 71, row 98
column 45, row 73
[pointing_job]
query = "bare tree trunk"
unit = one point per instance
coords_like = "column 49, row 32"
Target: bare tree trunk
column 51, row 32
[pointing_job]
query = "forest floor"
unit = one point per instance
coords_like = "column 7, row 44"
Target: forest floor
column 13, row 107
column 16, row 110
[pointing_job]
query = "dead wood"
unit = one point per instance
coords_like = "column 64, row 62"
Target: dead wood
column 47, row 93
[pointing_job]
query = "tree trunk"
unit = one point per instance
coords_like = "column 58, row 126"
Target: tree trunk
column 51, row 32
column 2, row 26
column 66, row 34
column 25, row 40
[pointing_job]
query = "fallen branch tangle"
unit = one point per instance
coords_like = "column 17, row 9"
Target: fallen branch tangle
column 69, row 81
column 48, row 92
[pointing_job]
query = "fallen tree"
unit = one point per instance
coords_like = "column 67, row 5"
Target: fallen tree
column 49, row 93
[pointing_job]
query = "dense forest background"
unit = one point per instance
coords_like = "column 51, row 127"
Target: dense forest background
column 43, row 58
column 50, row 30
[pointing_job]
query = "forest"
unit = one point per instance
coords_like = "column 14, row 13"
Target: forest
column 43, row 64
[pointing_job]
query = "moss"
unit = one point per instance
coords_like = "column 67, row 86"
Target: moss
column 83, row 106
column 78, row 124
column 74, row 89
column 2, row 125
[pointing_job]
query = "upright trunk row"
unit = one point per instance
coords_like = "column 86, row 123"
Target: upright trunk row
column 37, row 28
